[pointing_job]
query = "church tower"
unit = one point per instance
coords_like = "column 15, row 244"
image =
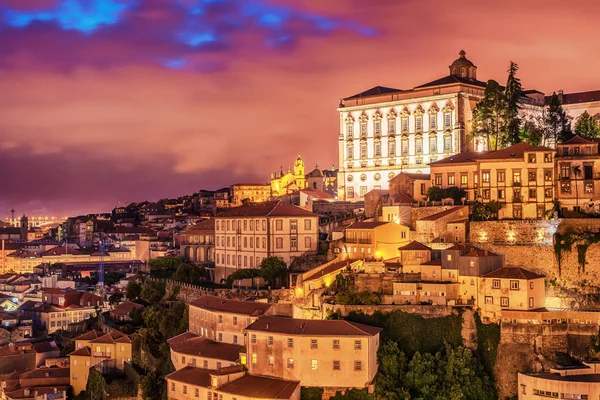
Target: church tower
column 463, row 68
column 299, row 174
column 24, row 227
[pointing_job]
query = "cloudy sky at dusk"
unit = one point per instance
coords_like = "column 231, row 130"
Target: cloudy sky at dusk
column 106, row 101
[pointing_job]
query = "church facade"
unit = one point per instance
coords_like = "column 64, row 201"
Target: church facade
column 385, row 131
column 287, row 183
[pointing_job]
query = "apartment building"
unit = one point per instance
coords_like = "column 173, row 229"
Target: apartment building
column 578, row 174
column 322, row 353
column 252, row 192
column 189, row 349
column 223, row 320
column 197, row 242
column 520, row 177
column 95, row 348
column 374, row 239
column 248, row 234
column 511, row 288
column 561, row 383
column 231, row 383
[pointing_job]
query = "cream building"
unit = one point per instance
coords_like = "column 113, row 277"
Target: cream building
column 253, row 192
column 246, row 235
column 374, row 240
column 196, row 351
column 321, row 353
column 385, row 131
column 561, row 383
column 223, row 320
column 520, row 177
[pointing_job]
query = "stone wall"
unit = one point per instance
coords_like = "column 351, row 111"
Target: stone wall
column 422, row 212
column 377, row 283
column 530, row 232
column 424, row 311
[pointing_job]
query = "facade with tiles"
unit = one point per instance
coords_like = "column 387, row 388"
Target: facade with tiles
column 385, row 131
column 246, row 235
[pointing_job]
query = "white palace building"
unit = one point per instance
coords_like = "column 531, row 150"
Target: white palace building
column 385, row 131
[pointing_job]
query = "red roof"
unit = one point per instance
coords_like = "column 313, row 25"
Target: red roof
column 194, row 345
column 516, row 151
column 267, row 209
column 577, row 140
column 203, row 226
column 465, row 157
column 576, row 98
column 311, row 327
column 513, row 273
column 441, row 214
column 336, row 266
column 414, row 246
column 125, row 308
column 317, row 194
column 366, row 224
column 217, row 304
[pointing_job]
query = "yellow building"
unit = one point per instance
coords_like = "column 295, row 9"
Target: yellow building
column 229, row 383
column 223, row 320
column 511, row 288
column 94, row 348
column 562, row 383
column 321, row 353
column 324, row 275
column 519, row 177
column 246, row 235
column 253, row 192
column 282, row 184
column 375, row 240
column 196, row 351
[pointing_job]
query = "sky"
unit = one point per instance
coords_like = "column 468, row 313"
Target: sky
column 105, row 102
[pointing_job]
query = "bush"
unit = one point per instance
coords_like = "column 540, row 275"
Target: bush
column 311, row 393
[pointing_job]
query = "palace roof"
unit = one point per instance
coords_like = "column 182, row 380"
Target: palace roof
column 266, row 209
column 579, row 97
column 214, row 303
column 194, row 345
column 312, row 327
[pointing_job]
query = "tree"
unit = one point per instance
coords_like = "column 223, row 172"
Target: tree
column 557, row 124
column 532, row 131
column 115, row 298
column 488, row 116
column 435, row 193
column 494, row 207
column 513, row 92
column 188, row 273
column 133, row 291
column 96, row 385
column 586, row 126
column 311, row 393
column 353, row 394
column 244, row 273
column 455, row 193
column 273, row 269
column 577, row 173
column 152, row 386
column 153, row 291
column 480, row 212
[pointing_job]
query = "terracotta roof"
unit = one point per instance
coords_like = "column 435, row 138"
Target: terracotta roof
column 451, row 79
column 516, row 151
column 112, row 337
column 194, row 345
column 437, row 261
column 312, row 327
column 466, row 157
column 46, row 373
column 200, row 376
column 44, row 347
column 418, row 177
column 335, row 266
column 59, row 251
column 576, row 98
column 214, row 303
column 366, row 224
column 441, row 214
column 267, row 209
column 413, row 246
column 577, row 140
column 512, row 273
column 477, row 252
column 206, row 225
column 84, row 351
column 374, row 91
column 261, row 387
column 126, row 307
column 403, row 199
column 28, row 392
column 318, row 194
column 90, row 335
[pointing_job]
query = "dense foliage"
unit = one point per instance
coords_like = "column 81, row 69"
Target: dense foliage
column 435, row 193
column 484, row 212
column 586, row 126
column 273, row 270
column 133, row 291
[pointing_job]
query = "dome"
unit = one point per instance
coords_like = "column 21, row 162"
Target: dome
column 463, row 67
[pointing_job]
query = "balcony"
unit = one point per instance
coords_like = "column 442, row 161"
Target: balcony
column 517, row 183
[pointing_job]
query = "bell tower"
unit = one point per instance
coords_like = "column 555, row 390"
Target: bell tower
column 24, row 227
column 299, row 174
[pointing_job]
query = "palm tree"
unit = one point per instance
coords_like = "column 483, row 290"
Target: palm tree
column 577, row 173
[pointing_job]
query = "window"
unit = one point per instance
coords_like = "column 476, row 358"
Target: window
column 377, row 149
column 278, row 225
column 547, row 157
column 501, row 194
column 290, row 343
column 358, row 365
column 503, row 301
column 270, row 340
column 451, row 180
column 576, row 150
column 336, row 365
column 432, row 121
column 220, row 337
column 363, row 150
column 183, row 359
column 350, row 192
column 391, row 125
column 501, row 176
column 336, row 344
column 363, row 191
column 404, row 147
column 517, row 212
column 377, row 127
column 496, row 283
column 205, row 364
column 423, row 189
column 307, row 242
column 432, row 144
column 357, row 344
column 485, row 176
column 314, row 365
column 516, row 178
column 172, row 385
column 447, row 120
column 588, row 172
column 565, row 187
column 197, row 392
column 532, row 194
column 489, row 300
column 75, row 377
column 514, row 285
column 418, row 145
column 485, row 193
column 363, row 129
column 271, row 360
column 447, row 143
column 532, row 176
column 391, row 148
column 531, row 302
column 184, row 389
column 531, row 285
column 253, row 358
column 350, row 130
column 464, row 179
column 279, row 243
column 234, row 320
column 293, row 243
column 314, row 344
column 404, row 124
column 208, row 395
column 235, row 336
column 418, row 123
column 253, row 339
column 438, row 179
column 449, row 257
column 531, row 158
column 589, row 187
column 290, row 363
column 548, row 175
column 565, row 171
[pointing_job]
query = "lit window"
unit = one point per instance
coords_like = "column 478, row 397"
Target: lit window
column 314, row 365
column 253, row 358
column 290, row 363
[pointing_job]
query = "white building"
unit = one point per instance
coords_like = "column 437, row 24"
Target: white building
column 246, row 235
